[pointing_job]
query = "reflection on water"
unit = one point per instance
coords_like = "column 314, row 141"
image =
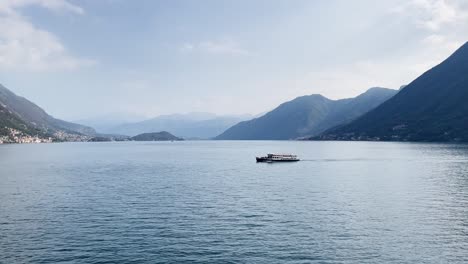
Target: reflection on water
column 208, row 201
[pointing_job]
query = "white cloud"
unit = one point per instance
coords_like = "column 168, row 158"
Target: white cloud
column 353, row 78
column 441, row 26
column 441, row 42
column 23, row 46
column 187, row 47
column 9, row 6
column 434, row 15
column 225, row 46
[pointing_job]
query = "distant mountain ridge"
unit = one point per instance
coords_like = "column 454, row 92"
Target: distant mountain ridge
column 191, row 125
column 434, row 107
column 306, row 116
column 104, row 122
column 34, row 119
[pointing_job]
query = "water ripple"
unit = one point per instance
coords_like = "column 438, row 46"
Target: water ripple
column 136, row 203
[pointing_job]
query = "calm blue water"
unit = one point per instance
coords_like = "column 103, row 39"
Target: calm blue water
column 209, row 202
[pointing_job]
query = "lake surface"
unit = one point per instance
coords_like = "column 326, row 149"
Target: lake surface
column 209, row 202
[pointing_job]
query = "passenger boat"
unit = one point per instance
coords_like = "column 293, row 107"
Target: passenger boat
column 278, row 158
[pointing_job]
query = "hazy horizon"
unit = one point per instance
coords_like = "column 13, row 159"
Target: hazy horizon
column 84, row 59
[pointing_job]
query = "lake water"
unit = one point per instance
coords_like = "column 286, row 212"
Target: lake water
column 209, row 202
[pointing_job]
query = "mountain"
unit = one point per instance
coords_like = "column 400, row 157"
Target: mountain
column 19, row 110
column 11, row 126
column 306, row 116
column 108, row 121
column 156, row 136
column 434, row 107
column 192, row 125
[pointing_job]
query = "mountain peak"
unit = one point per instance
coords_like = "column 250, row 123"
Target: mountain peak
column 373, row 89
column 305, row 116
column 431, row 108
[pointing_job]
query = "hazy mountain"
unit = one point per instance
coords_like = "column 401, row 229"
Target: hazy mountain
column 192, row 125
column 155, row 136
column 103, row 123
column 434, row 107
column 193, row 116
column 307, row 116
column 35, row 117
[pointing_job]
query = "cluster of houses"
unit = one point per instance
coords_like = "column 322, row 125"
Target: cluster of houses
column 69, row 137
column 16, row 136
column 11, row 135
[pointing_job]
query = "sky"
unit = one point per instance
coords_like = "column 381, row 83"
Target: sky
column 83, row 59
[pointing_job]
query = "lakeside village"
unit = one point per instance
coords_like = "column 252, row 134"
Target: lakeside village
column 14, row 136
